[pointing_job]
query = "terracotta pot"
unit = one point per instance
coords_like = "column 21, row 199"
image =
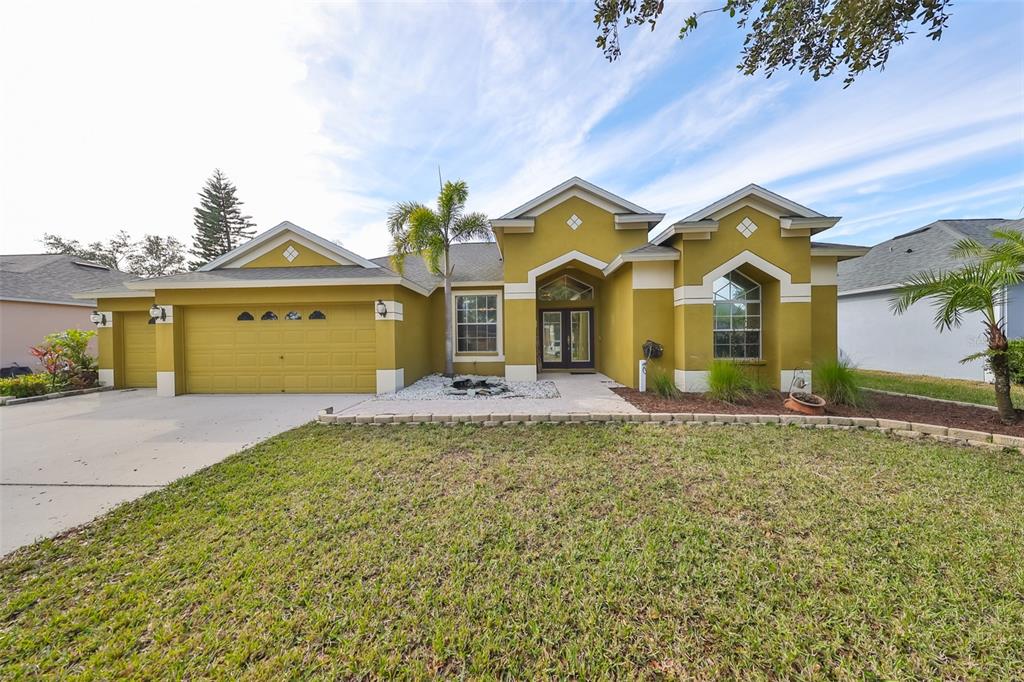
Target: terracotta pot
column 805, row 404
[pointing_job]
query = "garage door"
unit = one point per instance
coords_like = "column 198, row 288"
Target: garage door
column 139, row 337
column 279, row 349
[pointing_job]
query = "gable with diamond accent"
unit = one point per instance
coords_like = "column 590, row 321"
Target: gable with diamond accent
column 747, row 227
column 574, row 221
column 290, row 254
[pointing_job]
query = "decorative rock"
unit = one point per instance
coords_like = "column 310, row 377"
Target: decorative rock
column 768, row 418
column 640, row 417
column 661, row 417
column 725, row 418
column 559, row 417
column 682, row 417
column 601, row 417
column 815, row 419
column 793, row 419
column 705, row 418
column 383, row 419
column 913, row 435
column 746, row 418
column 985, row 444
column 841, row 421
column 364, row 419
column 580, row 417
column 539, row 417
column 894, row 424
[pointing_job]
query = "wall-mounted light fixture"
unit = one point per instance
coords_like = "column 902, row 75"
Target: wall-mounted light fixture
column 157, row 312
column 99, row 319
column 382, row 310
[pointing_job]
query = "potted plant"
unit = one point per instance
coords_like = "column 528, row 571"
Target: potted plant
column 805, row 403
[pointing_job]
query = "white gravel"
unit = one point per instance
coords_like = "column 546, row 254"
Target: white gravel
column 432, row 387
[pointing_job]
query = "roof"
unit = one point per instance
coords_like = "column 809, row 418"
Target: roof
column 471, row 261
column 571, row 183
column 240, row 277
column 792, row 216
column 645, row 252
column 53, row 278
column 888, row 264
column 316, row 242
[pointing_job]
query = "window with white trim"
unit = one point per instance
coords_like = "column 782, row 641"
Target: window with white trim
column 476, row 323
column 737, row 331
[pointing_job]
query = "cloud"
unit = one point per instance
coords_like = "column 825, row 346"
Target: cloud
column 327, row 114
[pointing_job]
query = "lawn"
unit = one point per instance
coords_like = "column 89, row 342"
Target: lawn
column 977, row 392
column 586, row 551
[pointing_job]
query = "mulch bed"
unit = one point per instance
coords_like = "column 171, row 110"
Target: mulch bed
column 879, row 406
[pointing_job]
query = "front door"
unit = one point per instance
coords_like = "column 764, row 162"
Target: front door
column 567, row 338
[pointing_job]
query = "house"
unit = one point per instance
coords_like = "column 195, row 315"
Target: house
column 36, row 300
column 571, row 282
column 874, row 338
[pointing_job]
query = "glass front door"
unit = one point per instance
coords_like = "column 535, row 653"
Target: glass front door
column 567, row 338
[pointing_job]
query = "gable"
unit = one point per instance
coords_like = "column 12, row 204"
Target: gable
column 290, row 252
column 272, row 246
column 572, row 225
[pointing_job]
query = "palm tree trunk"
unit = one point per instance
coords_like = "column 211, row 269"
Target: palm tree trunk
column 449, row 365
column 1000, row 363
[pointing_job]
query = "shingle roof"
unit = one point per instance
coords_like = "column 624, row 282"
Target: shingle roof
column 53, row 278
column 472, row 262
column 927, row 248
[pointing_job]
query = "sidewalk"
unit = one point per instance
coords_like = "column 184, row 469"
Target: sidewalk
column 578, row 393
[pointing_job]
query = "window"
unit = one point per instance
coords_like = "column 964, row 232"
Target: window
column 737, row 317
column 476, row 323
column 292, row 315
column 566, row 288
column 268, row 316
column 245, row 317
column 317, row 315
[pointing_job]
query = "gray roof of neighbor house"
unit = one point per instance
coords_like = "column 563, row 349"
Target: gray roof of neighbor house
column 53, row 278
column 472, row 262
column 889, row 264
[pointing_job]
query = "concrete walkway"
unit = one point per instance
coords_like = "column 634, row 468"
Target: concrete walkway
column 577, row 393
column 64, row 462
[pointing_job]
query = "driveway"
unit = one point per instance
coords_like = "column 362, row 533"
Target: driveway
column 64, row 462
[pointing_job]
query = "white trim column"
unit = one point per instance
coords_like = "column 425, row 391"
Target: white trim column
column 165, row 384
column 390, row 380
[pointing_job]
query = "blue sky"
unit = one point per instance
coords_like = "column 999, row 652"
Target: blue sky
column 327, row 114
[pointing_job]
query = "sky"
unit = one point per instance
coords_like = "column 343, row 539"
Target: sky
column 112, row 116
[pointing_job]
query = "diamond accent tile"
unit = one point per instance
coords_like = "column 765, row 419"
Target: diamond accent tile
column 574, row 221
column 291, row 254
column 747, row 227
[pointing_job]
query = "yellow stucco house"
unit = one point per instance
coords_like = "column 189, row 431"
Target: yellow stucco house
column 572, row 282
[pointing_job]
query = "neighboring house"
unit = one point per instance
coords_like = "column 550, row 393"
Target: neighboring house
column 873, row 338
column 36, row 300
column 570, row 283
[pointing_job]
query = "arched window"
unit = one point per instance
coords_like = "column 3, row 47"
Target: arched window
column 737, row 317
column 268, row 316
column 245, row 317
column 317, row 315
column 565, row 288
column 292, row 315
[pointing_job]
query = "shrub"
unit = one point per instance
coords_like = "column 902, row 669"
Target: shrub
column 25, row 385
column 836, row 382
column 73, row 345
column 661, row 382
column 729, row 382
column 1016, row 357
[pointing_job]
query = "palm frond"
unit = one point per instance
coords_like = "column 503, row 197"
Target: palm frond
column 451, row 202
column 471, row 226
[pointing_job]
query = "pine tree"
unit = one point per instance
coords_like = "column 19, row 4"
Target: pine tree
column 220, row 225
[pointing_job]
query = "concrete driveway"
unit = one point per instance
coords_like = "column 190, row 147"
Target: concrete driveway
column 64, row 462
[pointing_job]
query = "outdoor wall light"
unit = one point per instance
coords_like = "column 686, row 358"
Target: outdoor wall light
column 158, row 312
column 382, row 310
column 98, row 318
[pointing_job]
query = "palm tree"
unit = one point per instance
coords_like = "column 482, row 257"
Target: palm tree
column 978, row 287
column 418, row 230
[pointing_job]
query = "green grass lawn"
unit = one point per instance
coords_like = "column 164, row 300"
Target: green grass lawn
column 977, row 392
column 586, row 551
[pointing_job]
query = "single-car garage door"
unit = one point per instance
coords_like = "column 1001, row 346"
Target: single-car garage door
column 139, row 339
column 280, row 349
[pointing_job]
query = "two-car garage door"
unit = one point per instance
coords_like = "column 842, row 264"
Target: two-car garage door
column 280, row 349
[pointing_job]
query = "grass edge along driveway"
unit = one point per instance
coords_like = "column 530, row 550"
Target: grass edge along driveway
column 589, row 551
